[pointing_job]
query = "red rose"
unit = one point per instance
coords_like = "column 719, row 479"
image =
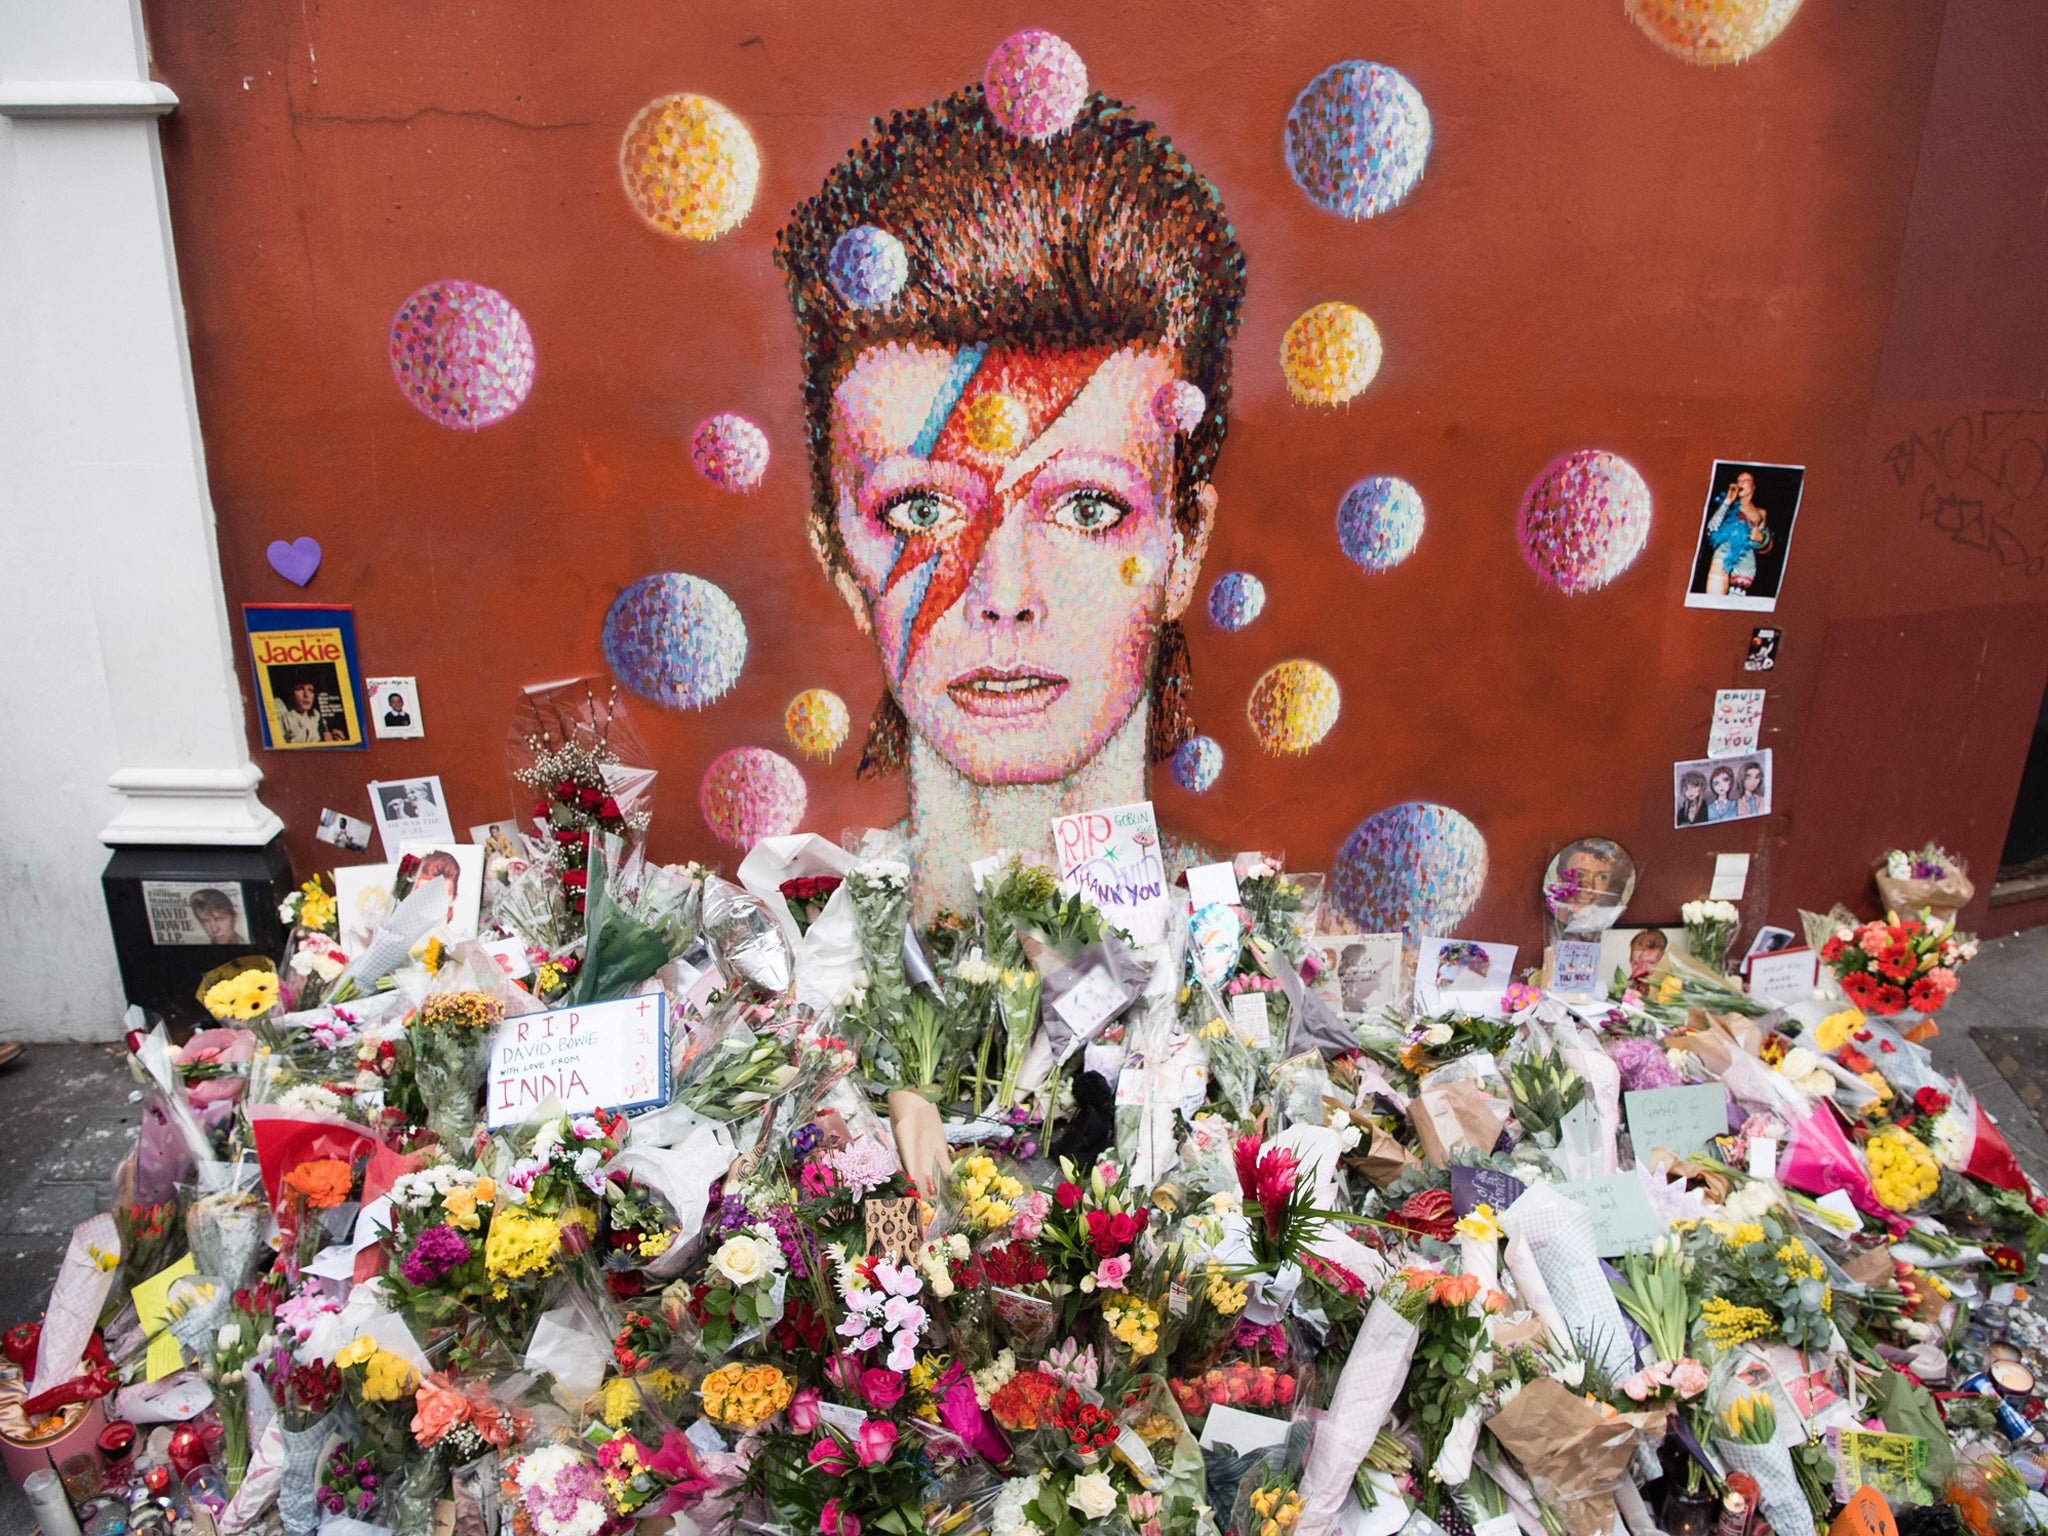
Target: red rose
column 1105, row 1246
column 1068, row 1195
column 576, row 879
column 1283, row 1393
column 1930, row 1101
column 1098, row 1223
column 591, row 799
column 1123, row 1227
column 565, row 792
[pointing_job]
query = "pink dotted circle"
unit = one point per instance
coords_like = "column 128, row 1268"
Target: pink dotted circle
column 462, row 354
column 1036, row 84
column 730, row 451
column 1585, row 520
column 750, row 793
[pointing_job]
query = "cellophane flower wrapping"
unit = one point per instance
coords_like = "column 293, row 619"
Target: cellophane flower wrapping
column 640, row 917
column 450, row 1038
column 1367, row 1389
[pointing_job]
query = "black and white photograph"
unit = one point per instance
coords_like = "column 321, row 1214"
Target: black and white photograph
column 343, row 830
column 1745, row 533
column 410, row 810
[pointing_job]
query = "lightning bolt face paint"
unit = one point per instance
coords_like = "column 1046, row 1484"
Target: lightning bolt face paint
column 1007, row 516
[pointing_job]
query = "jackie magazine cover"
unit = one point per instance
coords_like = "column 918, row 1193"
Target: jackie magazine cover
column 308, row 685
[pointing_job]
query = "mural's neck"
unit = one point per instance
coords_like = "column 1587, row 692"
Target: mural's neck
column 954, row 821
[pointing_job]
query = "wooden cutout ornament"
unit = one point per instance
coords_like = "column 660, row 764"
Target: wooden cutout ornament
column 1866, row 1514
column 892, row 1229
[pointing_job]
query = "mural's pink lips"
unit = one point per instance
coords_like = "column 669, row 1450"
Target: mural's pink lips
column 1005, row 693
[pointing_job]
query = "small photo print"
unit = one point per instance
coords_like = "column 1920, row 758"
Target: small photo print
column 362, row 897
column 1461, row 973
column 394, row 707
column 1628, row 956
column 500, row 840
column 1745, row 533
column 1763, row 650
column 410, row 811
column 350, row 832
column 1709, row 790
column 462, row 866
column 1361, row 973
column 195, row 912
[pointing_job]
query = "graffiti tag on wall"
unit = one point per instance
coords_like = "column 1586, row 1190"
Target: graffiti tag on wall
column 1982, row 479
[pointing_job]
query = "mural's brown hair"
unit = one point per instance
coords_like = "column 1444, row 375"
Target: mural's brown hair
column 1101, row 235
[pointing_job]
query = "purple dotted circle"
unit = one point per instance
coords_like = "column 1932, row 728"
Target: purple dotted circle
column 462, row 354
column 1415, row 867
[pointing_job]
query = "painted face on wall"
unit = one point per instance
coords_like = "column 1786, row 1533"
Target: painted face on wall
column 1007, row 517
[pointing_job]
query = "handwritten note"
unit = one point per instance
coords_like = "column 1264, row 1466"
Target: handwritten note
column 1784, row 976
column 1680, row 1120
column 1472, row 1187
column 1575, row 968
column 604, row 1056
column 1113, row 858
column 1623, row 1218
column 1212, row 883
column 1731, row 877
column 1738, row 721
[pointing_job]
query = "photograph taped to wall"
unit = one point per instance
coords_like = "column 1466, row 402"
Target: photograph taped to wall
column 462, row 866
column 1361, row 973
column 1628, row 956
column 410, row 810
column 194, row 912
column 343, row 830
column 1745, row 534
column 362, row 899
column 307, row 680
column 1708, row 790
column 1763, row 650
column 395, row 707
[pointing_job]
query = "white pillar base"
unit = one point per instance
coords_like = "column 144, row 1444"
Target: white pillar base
column 190, row 807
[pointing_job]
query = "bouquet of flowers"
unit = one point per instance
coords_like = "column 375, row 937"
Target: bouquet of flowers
column 450, row 1039
column 1925, row 882
column 1888, row 967
column 571, row 752
column 1710, row 929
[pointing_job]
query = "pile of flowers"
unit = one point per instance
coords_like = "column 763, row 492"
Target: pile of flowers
column 1023, row 1226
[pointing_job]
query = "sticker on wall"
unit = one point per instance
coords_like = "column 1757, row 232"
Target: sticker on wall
column 1708, row 790
column 1035, row 84
column 1738, row 722
column 1379, row 522
column 1358, row 138
column 818, row 722
column 1712, row 31
column 731, row 452
column 1236, row 599
column 195, row 912
column 295, row 560
column 690, row 167
column 1197, row 764
column 1293, row 706
column 395, row 707
column 307, row 681
column 1330, row 354
column 1763, row 650
column 1415, row 867
column 750, row 793
column 675, row 639
column 462, row 354
column 1745, row 535
column 343, row 830
column 1584, row 521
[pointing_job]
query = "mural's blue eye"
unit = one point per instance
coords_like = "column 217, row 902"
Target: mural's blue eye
column 922, row 513
column 1090, row 511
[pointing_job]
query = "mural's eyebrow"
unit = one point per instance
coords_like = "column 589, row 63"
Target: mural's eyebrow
column 966, row 363
column 1041, row 448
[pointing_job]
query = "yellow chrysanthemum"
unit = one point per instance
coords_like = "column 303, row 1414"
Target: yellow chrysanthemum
column 1833, row 1032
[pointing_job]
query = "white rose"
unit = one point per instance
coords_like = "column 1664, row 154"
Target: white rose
column 1799, row 1062
column 1093, row 1495
column 1437, row 1034
column 740, row 1260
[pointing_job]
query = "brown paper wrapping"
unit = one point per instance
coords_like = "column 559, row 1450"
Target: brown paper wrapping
column 1380, row 1158
column 1454, row 1115
column 1669, row 1165
column 1873, row 1269
column 1942, row 899
column 1572, row 1452
column 920, row 1140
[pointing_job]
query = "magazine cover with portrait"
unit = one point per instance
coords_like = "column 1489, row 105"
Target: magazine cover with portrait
column 308, row 686
column 1745, row 532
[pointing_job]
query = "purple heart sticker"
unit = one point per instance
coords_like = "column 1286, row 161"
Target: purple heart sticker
column 297, row 561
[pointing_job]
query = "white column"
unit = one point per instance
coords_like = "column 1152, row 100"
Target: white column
column 104, row 459
column 120, row 719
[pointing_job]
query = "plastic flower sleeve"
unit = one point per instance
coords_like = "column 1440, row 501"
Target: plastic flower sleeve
column 1367, row 1389
column 827, row 953
column 745, row 938
column 682, row 1175
column 225, row 1221
column 1559, row 1241
column 172, row 1143
column 391, row 945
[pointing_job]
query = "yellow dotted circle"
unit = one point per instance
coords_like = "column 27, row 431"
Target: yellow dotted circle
column 1330, row 354
column 1293, row 706
column 690, row 167
column 817, row 722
